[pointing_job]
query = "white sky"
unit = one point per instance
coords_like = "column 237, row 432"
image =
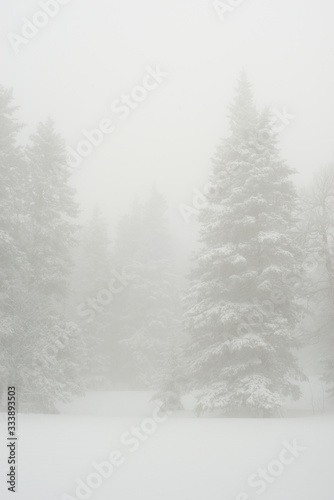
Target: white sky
column 93, row 51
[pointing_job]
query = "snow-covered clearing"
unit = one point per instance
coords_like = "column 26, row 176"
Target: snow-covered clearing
column 178, row 458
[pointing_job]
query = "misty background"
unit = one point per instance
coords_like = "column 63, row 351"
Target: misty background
column 90, row 54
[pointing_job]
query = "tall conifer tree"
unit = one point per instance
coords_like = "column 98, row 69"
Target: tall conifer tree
column 241, row 310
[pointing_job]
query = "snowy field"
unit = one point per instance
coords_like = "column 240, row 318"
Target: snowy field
column 173, row 459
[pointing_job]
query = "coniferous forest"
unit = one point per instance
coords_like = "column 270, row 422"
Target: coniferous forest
column 84, row 308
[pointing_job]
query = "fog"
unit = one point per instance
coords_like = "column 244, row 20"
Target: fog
column 92, row 53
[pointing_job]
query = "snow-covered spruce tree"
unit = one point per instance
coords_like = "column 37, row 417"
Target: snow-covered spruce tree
column 94, row 303
column 125, row 261
column 49, row 346
column 150, row 313
column 94, row 256
column 53, row 212
column 241, row 309
column 319, row 243
column 13, row 260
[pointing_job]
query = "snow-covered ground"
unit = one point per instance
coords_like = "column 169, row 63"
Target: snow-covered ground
column 173, row 459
